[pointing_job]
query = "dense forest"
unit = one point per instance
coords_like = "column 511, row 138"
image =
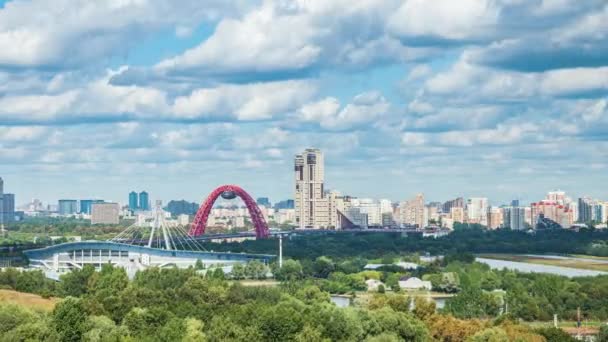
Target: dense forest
column 371, row 245
column 184, row 305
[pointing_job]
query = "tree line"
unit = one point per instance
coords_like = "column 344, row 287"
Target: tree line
column 184, row 305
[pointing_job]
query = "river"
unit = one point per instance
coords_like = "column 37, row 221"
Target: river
column 538, row 268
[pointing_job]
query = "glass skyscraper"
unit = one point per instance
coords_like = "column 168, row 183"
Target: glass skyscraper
column 144, row 201
column 133, row 201
column 67, row 207
column 85, row 206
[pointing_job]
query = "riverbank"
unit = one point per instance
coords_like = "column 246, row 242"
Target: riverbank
column 577, row 262
column 500, row 262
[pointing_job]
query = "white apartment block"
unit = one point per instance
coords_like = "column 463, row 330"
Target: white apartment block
column 477, row 208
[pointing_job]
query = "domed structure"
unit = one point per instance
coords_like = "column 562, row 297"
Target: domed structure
column 228, row 195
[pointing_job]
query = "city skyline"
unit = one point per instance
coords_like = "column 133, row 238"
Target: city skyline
column 403, row 97
column 125, row 198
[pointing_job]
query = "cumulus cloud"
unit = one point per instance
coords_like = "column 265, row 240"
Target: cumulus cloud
column 245, row 85
column 429, row 22
column 258, row 101
column 65, row 33
column 364, row 110
column 280, row 40
column 579, row 43
column 474, row 82
column 92, row 102
column 21, row 134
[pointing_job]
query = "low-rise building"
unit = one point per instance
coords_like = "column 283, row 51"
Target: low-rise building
column 105, row 213
column 373, row 284
column 414, row 283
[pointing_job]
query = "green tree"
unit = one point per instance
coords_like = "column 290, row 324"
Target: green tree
column 33, row 331
column 402, row 324
column 218, row 273
column 199, row 265
column 144, row 323
column 75, row 283
column 603, row 333
column 238, row 271
column 291, row 270
column 472, row 302
column 11, row 316
column 194, row 331
column 399, row 303
column 255, row 269
column 424, row 308
column 310, row 334
column 224, row 329
column 9, row 277
column 323, row 266
column 384, row 337
column 312, row 294
column 109, row 281
column 102, row 329
column 448, row 282
column 171, row 331
column 69, row 319
column 490, row 335
column 556, row 335
column 281, row 322
column 31, row 281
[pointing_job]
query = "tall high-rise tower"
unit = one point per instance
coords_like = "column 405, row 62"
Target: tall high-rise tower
column 311, row 205
column 144, row 201
column 1, row 204
column 133, row 203
column 412, row 212
column 7, row 206
column 477, row 209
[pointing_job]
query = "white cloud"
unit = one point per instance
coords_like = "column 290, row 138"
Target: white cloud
column 22, row 134
column 466, row 81
column 365, row 109
column 64, row 33
column 418, row 72
column 445, row 19
column 503, row 134
column 320, row 110
column 413, row 139
column 574, row 81
column 261, row 41
column 97, row 100
column 258, row 101
column 287, row 39
column 216, row 109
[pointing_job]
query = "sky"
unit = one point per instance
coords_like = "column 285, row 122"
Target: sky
column 497, row 98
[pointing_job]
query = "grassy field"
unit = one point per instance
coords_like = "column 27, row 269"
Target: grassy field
column 28, row 300
column 259, row 282
column 565, row 324
column 589, row 257
column 571, row 263
column 587, row 327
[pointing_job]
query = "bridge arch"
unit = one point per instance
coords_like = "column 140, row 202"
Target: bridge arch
column 202, row 215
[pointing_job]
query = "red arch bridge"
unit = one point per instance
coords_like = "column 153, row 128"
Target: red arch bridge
column 229, row 192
